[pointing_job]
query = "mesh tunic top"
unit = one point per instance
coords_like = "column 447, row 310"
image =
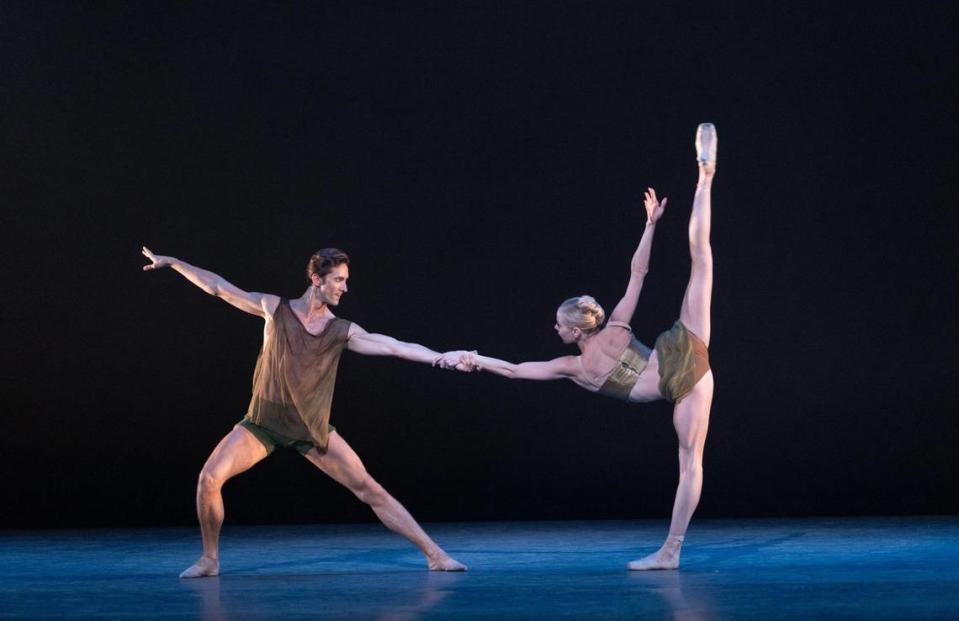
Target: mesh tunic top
column 294, row 377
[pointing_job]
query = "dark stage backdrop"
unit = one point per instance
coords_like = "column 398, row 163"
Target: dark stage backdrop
column 481, row 162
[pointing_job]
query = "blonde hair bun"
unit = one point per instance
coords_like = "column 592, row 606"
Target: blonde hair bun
column 583, row 312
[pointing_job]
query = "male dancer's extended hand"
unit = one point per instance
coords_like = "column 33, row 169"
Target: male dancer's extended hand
column 460, row 360
column 157, row 261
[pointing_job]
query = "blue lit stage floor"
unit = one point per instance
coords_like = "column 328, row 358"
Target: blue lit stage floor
column 876, row 568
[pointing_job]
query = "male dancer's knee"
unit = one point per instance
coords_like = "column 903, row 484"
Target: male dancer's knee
column 209, row 484
column 371, row 492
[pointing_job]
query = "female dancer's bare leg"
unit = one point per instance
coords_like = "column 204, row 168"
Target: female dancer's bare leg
column 691, row 415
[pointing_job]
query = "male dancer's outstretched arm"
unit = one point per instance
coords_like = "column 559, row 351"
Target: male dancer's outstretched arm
column 264, row 304
column 259, row 304
column 363, row 342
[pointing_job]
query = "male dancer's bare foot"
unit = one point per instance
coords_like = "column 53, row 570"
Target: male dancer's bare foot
column 445, row 562
column 667, row 557
column 203, row 568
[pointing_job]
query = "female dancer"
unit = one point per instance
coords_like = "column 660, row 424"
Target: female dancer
column 613, row 362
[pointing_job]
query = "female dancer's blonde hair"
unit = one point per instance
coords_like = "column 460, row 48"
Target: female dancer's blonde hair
column 583, row 312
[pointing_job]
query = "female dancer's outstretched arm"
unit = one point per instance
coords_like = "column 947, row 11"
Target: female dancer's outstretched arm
column 558, row 368
column 640, row 263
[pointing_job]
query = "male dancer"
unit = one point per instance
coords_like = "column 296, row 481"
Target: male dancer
column 292, row 392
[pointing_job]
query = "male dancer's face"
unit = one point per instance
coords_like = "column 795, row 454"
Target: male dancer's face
column 331, row 287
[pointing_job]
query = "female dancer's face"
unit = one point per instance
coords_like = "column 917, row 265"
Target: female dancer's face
column 566, row 334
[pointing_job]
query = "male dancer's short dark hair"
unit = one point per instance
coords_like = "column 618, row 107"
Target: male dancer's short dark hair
column 323, row 261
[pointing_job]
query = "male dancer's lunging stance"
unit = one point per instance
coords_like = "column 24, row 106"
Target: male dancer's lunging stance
column 292, row 393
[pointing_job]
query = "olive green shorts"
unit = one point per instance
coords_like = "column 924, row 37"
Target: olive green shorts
column 271, row 440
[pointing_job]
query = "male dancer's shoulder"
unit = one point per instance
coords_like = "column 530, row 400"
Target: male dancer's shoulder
column 344, row 328
column 272, row 303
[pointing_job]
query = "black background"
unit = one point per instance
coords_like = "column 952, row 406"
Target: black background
column 480, row 162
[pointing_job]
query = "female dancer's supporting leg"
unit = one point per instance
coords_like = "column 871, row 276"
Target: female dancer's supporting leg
column 691, row 415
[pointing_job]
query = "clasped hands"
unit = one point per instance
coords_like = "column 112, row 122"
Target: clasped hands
column 460, row 360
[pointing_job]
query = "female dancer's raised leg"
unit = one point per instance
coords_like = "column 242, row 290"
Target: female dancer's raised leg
column 691, row 415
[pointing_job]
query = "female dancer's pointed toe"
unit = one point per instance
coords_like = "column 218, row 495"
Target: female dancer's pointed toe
column 706, row 144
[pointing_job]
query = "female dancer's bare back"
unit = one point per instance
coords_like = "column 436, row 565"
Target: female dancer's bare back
column 599, row 359
column 602, row 349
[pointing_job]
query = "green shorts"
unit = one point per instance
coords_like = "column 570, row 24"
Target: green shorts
column 271, row 439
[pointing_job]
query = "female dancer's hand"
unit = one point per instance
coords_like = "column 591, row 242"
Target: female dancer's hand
column 458, row 359
column 654, row 207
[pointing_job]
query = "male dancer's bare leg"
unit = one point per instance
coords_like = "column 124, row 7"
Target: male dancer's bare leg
column 691, row 415
column 237, row 452
column 343, row 464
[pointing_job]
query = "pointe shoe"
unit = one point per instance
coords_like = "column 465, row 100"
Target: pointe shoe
column 706, row 143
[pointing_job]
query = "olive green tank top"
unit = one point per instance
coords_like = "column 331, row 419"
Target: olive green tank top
column 294, row 377
column 631, row 363
column 620, row 380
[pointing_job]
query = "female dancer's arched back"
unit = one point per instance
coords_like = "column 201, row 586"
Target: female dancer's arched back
column 613, row 362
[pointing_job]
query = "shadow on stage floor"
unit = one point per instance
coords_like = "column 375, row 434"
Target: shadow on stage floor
column 877, row 568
